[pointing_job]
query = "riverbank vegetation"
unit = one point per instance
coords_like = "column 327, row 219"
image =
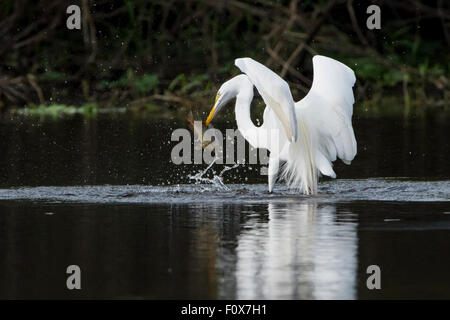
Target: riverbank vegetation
column 161, row 56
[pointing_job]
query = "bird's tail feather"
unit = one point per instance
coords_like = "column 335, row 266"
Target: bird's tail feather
column 300, row 170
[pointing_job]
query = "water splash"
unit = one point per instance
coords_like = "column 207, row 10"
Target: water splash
column 216, row 180
column 341, row 190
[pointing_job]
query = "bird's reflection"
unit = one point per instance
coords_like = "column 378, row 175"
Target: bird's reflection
column 302, row 252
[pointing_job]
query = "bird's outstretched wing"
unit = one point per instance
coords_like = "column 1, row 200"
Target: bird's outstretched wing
column 327, row 110
column 274, row 91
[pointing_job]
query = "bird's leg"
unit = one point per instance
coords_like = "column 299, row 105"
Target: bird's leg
column 274, row 163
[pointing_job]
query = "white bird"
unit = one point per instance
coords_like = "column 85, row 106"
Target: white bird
column 307, row 135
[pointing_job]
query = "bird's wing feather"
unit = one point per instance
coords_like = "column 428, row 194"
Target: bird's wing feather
column 273, row 89
column 327, row 111
column 333, row 81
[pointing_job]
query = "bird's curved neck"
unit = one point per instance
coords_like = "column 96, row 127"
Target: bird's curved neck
column 244, row 122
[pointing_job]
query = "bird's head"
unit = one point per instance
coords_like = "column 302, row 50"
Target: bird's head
column 242, row 86
column 227, row 92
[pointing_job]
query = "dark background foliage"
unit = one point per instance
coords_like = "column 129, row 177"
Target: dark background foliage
column 138, row 52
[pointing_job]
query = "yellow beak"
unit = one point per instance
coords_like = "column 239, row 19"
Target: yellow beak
column 211, row 114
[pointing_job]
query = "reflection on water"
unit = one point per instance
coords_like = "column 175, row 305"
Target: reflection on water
column 128, row 218
column 300, row 252
column 294, row 249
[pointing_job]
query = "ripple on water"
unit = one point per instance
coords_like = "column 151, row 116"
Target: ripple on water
column 332, row 190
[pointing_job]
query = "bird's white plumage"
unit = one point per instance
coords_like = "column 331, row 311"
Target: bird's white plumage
column 274, row 91
column 321, row 120
column 325, row 125
column 333, row 81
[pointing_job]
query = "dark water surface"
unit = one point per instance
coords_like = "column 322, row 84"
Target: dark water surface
column 103, row 194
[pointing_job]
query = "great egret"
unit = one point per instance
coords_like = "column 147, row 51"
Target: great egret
column 309, row 134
